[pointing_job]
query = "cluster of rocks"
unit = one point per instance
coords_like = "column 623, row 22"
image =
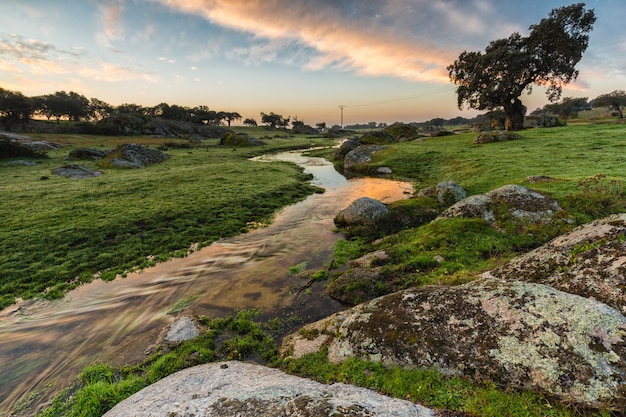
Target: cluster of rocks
column 550, row 320
column 124, row 156
column 355, row 153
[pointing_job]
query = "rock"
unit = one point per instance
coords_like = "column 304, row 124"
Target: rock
column 520, row 204
column 589, row 261
column 490, row 137
column 543, row 120
column 357, row 285
column 76, row 171
column 86, row 154
column 518, row 335
column 345, row 147
column 384, row 170
column 475, row 206
column 359, row 156
column 21, row 162
column 132, row 156
column 526, row 205
column 447, row 192
column 535, row 179
column 365, row 261
column 184, row 328
column 239, row 140
column 362, row 211
column 237, row 389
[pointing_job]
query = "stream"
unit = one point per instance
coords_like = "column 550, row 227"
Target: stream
column 44, row 345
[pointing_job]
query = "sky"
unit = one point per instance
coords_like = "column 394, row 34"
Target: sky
column 383, row 60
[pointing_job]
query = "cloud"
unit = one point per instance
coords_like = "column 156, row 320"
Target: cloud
column 111, row 19
column 32, row 58
column 349, row 35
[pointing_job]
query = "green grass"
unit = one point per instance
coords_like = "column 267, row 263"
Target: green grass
column 431, row 388
column 59, row 232
column 568, row 154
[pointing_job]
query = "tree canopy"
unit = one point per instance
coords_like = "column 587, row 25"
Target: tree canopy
column 614, row 100
column 508, row 67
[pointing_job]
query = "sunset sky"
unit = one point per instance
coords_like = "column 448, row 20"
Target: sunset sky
column 384, row 60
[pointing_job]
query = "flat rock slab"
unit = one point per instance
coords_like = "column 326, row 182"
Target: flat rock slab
column 230, row 389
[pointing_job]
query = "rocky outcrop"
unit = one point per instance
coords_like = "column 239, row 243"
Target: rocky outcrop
column 85, row 154
column 490, row 137
column 362, row 211
column 76, row 171
column 345, row 147
column 360, row 155
column 515, row 202
column 132, row 156
column 239, row 140
column 519, row 335
column 236, row 389
column 589, row 261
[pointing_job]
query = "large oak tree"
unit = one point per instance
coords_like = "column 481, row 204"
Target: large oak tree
column 508, row 67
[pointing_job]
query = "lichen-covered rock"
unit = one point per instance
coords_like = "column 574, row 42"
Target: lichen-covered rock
column 524, row 204
column 589, row 261
column 132, row 156
column 357, row 285
column 362, row 211
column 490, row 137
column 447, row 192
column 236, row 389
column 181, row 329
column 519, row 335
column 76, row 171
column 515, row 202
column 474, row 206
column 360, row 155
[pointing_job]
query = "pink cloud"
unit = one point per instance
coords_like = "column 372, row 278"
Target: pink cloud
column 363, row 46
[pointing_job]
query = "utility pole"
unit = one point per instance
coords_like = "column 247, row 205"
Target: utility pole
column 341, row 107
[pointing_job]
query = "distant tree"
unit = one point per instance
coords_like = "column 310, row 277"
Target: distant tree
column 297, row 123
column 568, row 107
column 614, row 100
column 15, row 107
column 231, row 116
column 321, row 126
column 547, row 57
column 274, row 120
column 130, row 108
column 437, row 122
column 99, row 109
column 250, row 122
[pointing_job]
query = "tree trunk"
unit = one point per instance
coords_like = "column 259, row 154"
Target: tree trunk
column 514, row 115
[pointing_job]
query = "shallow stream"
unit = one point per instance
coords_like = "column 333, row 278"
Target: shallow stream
column 44, row 345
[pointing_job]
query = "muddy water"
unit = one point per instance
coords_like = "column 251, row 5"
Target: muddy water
column 44, row 345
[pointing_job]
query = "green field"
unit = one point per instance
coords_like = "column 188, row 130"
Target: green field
column 59, row 232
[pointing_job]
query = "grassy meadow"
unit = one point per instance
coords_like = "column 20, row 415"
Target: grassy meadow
column 58, row 232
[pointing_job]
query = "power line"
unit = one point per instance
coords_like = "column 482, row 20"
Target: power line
column 403, row 98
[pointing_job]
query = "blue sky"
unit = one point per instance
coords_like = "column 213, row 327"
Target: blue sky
column 383, row 59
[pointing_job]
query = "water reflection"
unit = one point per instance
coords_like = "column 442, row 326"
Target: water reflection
column 44, row 345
